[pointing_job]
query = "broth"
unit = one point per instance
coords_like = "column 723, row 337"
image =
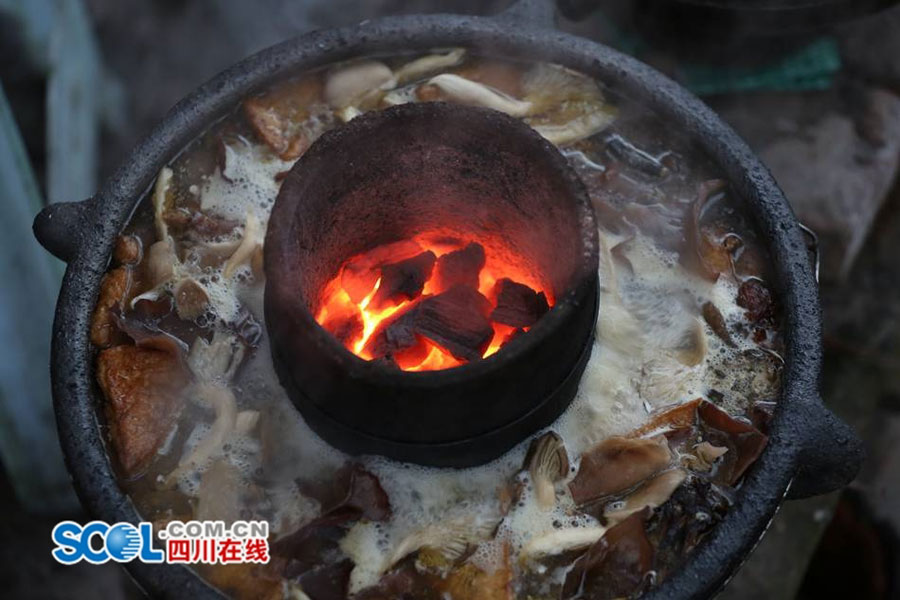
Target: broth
column 671, row 410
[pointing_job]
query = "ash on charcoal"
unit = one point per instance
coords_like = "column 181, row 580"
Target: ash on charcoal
column 403, row 280
column 517, row 304
column 460, row 267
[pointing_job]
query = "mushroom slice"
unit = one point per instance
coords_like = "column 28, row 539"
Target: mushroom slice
column 244, row 253
column 466, row 91
column 578, row 128
column 616, row 464
column 351, row 83
column 706, row 454
column 222, row 401
column 216, row 361
column 450, row 540
column 246, row 421
column 652, row 494
column 693, row 350
column 551, row 86
column 547, row 463
column 430, row 63
column 561, row 540
column 161, row 261
column 161, row 202
column 191, row 299
column 348, row 113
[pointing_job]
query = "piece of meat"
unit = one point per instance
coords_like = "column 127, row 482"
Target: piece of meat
column 744, row 441
column 460, row 267
column 278, row 115
column 469, row 582
column 713, row 317
column 677, row 526
column 128, row 250
column 755, row 296
column 191, row 299
column 143, row 390
column 114, row 291
column 517, row 304
column 353, row 494
column 403, row 280
column 617, row 464
column 616, row 565
column 707, row 257
column 457, row 321
column 681, row 416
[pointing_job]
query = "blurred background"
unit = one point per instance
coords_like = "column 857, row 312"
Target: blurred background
column 812, row 85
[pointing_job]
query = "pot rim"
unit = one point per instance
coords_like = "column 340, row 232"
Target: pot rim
column 77, row 399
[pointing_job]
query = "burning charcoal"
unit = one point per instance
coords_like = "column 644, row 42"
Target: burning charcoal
column 403, row 280
column 395, row 335
column 347, row 327
column 361, row 272
column 756, row 298
column 517, row 304
column 457, row 321
column 459, row 267
column 512, row 335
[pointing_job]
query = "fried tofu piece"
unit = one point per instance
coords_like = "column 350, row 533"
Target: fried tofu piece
column 277, row 116
column 114, row 290
column 142, row 387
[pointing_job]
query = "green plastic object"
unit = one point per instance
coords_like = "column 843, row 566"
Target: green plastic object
column 812, row 67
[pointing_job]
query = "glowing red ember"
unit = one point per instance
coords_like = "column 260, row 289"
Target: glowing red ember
column 430, row 303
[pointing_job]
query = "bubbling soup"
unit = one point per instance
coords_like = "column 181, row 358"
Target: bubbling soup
column 671, row 411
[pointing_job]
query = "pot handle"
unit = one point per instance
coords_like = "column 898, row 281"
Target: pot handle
column 59, row 226
column 831, row 454
column 537, row 13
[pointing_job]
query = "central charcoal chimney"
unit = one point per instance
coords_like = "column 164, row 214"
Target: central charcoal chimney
column 431, row 284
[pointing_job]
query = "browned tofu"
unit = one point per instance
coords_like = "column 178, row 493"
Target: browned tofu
column 142, row 387
column 114, row 291
column 277, row 116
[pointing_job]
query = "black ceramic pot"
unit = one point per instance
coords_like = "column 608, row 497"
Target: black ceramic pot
column 809, row 452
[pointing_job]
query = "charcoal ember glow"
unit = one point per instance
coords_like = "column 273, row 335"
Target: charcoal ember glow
column 460, row 267
column 423, row 304
column 517, row 304
column 458, row 321
column 403, row 280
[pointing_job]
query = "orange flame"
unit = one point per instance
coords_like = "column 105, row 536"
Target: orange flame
column 337, row 307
